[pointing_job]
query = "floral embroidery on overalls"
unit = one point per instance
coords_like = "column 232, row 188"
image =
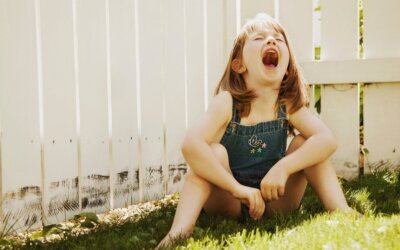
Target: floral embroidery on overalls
column 257, row 146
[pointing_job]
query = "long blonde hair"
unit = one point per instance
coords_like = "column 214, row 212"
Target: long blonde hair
column 293, row 88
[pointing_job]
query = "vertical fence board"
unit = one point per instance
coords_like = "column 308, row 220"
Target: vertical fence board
column 125, row 169
column 195, row 49
column 381, row 39
column 19, row 114
column 342, row 117
column 232, row 25
column 292, row 15
column 381, row 125
column 215, row 44
column 59, row 111
column 338, row 43
column 249, row 8
column 381, row 29
column 175, row 125
column 151, row 86
column 91, row 32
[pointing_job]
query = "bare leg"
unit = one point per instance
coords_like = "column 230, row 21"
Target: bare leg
column 196, row 194
column 322, row 178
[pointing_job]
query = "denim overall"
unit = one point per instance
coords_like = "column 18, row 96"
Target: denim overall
column 254, row 150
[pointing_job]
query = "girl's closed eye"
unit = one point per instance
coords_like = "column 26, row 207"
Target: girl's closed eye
column 280, row 39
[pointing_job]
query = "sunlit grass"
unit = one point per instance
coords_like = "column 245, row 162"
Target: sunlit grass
column 375, row 195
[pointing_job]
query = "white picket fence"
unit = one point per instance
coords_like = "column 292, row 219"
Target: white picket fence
column 96, row 95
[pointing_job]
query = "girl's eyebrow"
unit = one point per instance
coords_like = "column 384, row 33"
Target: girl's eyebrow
column 262, row 32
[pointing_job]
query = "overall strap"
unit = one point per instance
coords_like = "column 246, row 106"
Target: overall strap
column 282, row 111
column 235, row 116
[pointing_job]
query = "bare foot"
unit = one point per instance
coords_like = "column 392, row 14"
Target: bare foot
column 165, row 242
column 170, row 239
column 351, row 211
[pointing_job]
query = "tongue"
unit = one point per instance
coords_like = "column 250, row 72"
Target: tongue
column 271, row 59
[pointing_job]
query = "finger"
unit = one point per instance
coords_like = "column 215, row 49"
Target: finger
column 260, row 204
column 268, row 193
column 274, row 194
column 256, row 208
column 260, row 208
column 253, row 214
column 257, row 204
column 264, row 191
column 281, row 191
column 251, row 205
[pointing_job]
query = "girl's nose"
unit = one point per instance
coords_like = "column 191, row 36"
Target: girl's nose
column 271, row 41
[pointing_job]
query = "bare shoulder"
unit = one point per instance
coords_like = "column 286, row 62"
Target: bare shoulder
column 213, row 122
column 221, row 106
column 307, row 123
column 223, row 97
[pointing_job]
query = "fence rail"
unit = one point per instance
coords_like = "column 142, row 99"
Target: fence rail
column 95, row 96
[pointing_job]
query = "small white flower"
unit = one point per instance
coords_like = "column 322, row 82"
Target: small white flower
column 290, row 232
column 332, row 222
column 355, row 245
column 382, row 229
column 328, row 246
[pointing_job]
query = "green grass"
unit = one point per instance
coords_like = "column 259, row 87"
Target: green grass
column 375, row 195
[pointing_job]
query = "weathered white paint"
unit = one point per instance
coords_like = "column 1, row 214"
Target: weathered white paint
column 339, row 110
column 94, row 112
column 338, row 43
column 125, row 168
column 366, row 70
column 232, row 26
column 19, row 113
column 340, row 103
column 381, row 125
column 174, row 68
column 249, row 8
column 381, row 40
column 151, row 40
column 215, row 44
column 195, row 60
column 381, row 29
column 120, row 81
column 59, row 112
column 297, row 19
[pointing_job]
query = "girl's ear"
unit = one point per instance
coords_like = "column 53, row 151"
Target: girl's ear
column 238, row 67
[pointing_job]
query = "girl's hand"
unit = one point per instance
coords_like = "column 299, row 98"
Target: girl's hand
column 273, row 183
column 252, row 198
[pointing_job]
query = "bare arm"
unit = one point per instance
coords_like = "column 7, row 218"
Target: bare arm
column 320, row 143
column 200, row 157
column 196, row 145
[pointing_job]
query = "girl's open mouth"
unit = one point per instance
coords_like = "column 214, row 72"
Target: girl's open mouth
column 271, row 58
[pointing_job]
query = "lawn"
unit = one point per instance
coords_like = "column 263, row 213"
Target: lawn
column 375, row 195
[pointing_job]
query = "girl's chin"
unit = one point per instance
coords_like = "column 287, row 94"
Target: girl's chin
column 273, row 76
column 272, row 82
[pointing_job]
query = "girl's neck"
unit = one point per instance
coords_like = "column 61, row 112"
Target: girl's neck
column 266, row 95
column 262, row 107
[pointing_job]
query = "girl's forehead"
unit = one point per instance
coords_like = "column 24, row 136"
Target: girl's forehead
column 262, row 27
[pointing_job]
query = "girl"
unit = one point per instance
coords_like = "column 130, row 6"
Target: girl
column 239, row 166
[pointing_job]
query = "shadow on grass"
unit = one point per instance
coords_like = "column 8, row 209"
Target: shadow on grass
column 375, row 193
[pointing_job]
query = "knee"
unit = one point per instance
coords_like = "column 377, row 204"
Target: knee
column 197, row 180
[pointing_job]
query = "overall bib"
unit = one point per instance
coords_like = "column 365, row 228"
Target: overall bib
column 254, row 150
